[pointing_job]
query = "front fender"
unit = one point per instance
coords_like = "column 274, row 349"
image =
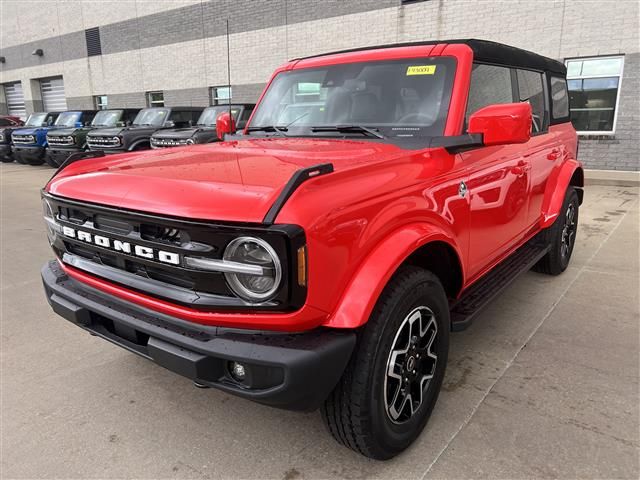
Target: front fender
column 555, row 191
column 364, row 289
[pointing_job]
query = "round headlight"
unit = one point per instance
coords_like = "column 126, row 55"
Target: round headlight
column 190, row 141
column 253, row 251
column 116, row 140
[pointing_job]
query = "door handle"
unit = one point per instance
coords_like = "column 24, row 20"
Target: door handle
column 553, row 154
column 520, row 169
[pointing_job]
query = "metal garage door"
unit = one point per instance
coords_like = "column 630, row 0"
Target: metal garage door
column 15, row 99
column 53, row 99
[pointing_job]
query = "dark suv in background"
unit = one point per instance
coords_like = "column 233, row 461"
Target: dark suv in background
column 8, row 123
column 30, row 144
column 138, row 135
column 204, row 130
column 66, row 141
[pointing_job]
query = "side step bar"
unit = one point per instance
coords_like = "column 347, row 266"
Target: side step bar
column 481, row 293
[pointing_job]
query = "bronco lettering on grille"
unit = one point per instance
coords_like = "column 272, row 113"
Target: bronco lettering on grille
column 122, row 246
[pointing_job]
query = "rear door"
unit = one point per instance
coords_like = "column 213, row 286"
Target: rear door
column 53, row 97
column 542, row 150
column 15, row 99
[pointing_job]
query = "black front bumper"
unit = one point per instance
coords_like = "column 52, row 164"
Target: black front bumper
column 6, row 154
column 57, row 155
column 292, row 371
column 29, row 154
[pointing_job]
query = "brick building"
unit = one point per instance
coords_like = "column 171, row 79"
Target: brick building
column 70, row 54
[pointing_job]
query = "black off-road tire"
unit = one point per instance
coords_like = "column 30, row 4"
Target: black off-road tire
column 50, row 161
column 356, row 412
column 6, row 159
column 557, row 259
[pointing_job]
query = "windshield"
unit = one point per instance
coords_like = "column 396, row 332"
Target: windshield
column 153, row 117
column 210, row 114
column 67, row 119
column 399, row 98
column 106, row 118
column 36, row 120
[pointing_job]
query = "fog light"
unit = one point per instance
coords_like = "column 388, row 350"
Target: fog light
column 237, row 371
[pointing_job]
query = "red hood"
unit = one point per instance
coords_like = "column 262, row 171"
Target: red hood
column 230, row 181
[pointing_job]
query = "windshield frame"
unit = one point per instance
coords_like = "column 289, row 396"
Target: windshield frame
column 392, row 133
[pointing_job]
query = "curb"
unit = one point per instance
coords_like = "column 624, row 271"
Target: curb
column 612, row 178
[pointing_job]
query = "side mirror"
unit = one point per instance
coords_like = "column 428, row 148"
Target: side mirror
column 225, row 124
column 502, row 124
column 170, row 123
column 121, row 124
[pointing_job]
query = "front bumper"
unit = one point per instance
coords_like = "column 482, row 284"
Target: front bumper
column 292, row 371
column 29, row 154
column 57, row 155
column 5, row 152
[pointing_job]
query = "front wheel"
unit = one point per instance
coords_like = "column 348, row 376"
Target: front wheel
column 387, row 393
column 561, row 237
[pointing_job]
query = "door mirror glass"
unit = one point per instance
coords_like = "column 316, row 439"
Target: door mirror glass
column 502, row 124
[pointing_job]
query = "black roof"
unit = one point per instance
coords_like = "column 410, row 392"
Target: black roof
column 484, row 51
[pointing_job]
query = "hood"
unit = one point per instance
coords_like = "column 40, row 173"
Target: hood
column 112, row 131
column 61, row 132
column 31, row 130
column 229, row 181
column 179, row 132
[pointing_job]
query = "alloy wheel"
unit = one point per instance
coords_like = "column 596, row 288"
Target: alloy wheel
column 411, row 364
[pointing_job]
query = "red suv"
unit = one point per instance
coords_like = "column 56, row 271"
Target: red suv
column 377, row 200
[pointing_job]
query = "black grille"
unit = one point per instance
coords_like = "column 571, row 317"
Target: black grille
column 94, row 46
column 195, row 288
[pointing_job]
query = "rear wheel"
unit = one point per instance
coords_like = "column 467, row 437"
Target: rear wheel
column 561, row 236
column 387, row 393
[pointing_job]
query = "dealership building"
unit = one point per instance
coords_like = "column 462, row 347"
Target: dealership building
column 66, row 54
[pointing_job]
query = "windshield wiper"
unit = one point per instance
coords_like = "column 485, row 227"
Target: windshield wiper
column 268, row 128
column 347, row 129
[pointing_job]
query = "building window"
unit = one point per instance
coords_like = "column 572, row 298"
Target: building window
column 220, row 95
column 101, row 102
column 594, row 91
column 155, row 99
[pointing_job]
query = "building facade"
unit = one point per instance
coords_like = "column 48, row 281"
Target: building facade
column 68, row 54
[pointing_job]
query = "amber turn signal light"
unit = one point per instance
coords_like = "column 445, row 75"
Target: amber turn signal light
column 302, row 266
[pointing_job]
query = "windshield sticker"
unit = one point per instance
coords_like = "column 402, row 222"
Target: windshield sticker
column 421, row 70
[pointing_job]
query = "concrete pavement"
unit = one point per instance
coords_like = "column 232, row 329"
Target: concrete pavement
column 543, row 385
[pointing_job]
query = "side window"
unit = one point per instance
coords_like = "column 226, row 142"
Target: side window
column 559, row 99
column 530, row 89
column 489, row 85
column 4, row 122
column 180, row 117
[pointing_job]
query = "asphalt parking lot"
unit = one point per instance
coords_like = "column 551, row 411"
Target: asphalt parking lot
column 544, row 384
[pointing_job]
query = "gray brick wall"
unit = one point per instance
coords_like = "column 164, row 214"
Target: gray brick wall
column 181, row 49
column 80, row 103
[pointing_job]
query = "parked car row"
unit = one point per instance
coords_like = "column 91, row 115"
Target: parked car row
column 52, row 136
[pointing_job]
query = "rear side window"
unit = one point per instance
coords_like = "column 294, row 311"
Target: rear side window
column 559, row 99
column 490, row 84
column 530, row 89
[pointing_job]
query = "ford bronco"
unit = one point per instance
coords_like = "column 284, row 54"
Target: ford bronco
column 66, row 141
column 137, row 136
column 8, row 123
column 31, row 139
column 204, row 131
column 377, row 200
